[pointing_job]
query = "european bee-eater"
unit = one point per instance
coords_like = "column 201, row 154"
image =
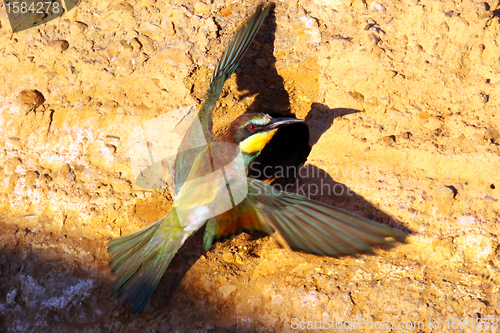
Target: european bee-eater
column 140, row 259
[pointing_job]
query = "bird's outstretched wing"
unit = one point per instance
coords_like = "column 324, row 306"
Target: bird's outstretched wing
column 227, row 65
column 304, row 224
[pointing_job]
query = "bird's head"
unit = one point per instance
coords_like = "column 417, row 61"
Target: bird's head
column 253, row 131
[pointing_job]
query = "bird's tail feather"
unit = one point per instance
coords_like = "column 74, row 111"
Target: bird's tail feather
column 140, row 259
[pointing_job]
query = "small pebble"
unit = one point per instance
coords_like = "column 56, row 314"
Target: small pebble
column 226, row 11
column 136, row 45
column 31, row 176
column 79, row 25
column 448, row 192
column 32, row 97
column 64, row 170
column 228, row 257
column 168, row 26
column 395, row 114
column 59, row 44
column 239, row 259
column 227, row 289
column 357, row 96
column 444, row 198
column 406, row 135
column 201, row 8
column 121, row 6
column 150, row 30
column 390, row 139
column 126, row 45
column 493, row 134
column 112, row 148
column 484, row 6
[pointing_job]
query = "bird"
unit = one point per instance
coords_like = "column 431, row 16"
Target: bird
column 139, row 260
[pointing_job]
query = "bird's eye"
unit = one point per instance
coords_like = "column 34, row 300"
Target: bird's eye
column 252, row 127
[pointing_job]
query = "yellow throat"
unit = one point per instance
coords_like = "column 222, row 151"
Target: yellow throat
column 256, row 142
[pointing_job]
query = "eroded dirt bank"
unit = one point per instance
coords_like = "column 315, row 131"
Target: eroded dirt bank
column 402, row 102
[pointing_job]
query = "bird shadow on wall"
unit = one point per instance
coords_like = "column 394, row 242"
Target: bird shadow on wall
column 290, row 147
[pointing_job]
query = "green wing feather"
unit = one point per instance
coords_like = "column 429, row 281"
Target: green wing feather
column 307, row 225
column 227, row 65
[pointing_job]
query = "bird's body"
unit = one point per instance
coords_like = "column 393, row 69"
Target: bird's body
column 140, row 259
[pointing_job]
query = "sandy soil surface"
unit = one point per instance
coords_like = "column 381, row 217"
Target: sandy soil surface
column 401, row 99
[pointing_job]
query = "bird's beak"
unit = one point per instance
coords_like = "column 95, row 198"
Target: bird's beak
column 281, row 122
